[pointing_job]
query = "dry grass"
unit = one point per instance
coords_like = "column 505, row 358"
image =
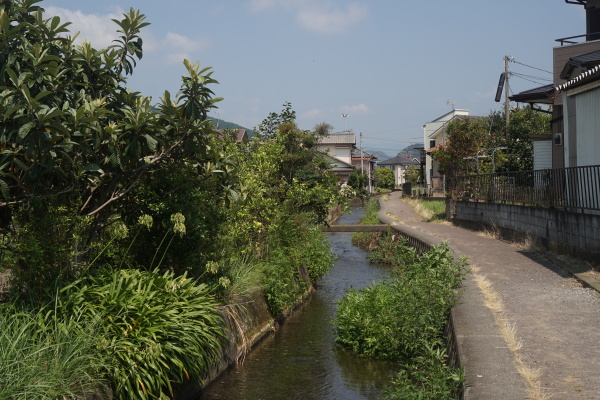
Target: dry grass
column 395, row 218
column 491, row 232
column 508, row 331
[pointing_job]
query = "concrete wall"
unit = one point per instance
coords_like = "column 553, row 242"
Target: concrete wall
column 564, row 232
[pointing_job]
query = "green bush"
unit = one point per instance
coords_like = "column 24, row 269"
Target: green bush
column 426, row 377
column 365, row 240
column 43, row 358
column 157, row 330
column 392, row 250
column 403, row 318
column 282, row 282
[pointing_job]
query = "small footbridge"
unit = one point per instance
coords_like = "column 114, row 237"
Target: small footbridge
column 414, row 238
column 355, row 228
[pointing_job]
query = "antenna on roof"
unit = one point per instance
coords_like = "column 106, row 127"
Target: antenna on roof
column 449, row 102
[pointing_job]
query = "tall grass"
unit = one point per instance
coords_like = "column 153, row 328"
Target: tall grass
column 44, row 358
column 429, row 210
column 156, row 330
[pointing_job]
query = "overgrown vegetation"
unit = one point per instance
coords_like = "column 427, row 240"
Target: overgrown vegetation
column 466, row 136
column 46, row 358
column 403, row 317
column 384, row 178
column 127, row 227
column 368, row 240
column 429, row 210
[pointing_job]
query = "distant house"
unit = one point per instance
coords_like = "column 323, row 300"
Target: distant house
column 240, row 135
column 434, row 133
column 338, row 147
column 364, row 161
column 399, row 165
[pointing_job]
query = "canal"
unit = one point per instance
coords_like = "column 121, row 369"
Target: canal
column 301, row 360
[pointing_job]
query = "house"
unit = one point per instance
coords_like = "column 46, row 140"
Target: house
column 399, row 165
column 364, row 161
column 581, row 120
column 434, row 133
column 338, row 147
column 240, row 135
column 573, row 98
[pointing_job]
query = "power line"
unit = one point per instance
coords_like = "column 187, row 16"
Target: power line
column 525, row 65
column 525, row 76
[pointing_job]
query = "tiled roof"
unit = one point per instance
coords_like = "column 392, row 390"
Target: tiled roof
column 240, row 133
column 338, row 138
column 580, row 62
column 542, row 94
column 399, row 160
column 356, row 153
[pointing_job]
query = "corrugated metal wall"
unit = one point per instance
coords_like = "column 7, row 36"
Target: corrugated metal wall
column 588, row 127
column 542, row 154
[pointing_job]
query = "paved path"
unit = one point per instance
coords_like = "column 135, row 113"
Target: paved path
column 553, row 316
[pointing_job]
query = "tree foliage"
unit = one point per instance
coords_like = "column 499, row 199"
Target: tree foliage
column 384, row 178
column 467, row 136
column 77, row 143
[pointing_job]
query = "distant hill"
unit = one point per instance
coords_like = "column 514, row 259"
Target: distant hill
column 220, row 124
column 379, row 154
column 411, row 151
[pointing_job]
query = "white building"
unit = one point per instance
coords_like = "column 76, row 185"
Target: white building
column 434, row 133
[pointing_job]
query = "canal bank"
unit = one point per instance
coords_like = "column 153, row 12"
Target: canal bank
column 524, row 328
column 300, row 359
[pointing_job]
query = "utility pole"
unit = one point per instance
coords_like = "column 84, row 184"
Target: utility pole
column 362, row 167
column 506, row 90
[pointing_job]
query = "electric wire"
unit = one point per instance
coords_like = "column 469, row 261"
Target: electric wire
column 525, row 65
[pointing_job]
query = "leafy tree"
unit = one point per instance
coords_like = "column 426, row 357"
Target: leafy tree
column 468, row 136
column 465, row 138
column 76, row 143
column 412, row 174
column 524, row 122
column 384, row 178
column 269, row 125
column 357, row 179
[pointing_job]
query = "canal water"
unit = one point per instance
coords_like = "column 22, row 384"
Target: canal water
column 301, row 359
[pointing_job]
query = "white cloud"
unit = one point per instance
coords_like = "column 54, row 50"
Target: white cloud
column 359, row 109
column 313, row 114
column 318, row 19
column 317, row 16
column 260, row 5
column 181, row 47
column 99, row 30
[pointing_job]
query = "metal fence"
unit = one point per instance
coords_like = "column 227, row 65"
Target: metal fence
column 574, row 189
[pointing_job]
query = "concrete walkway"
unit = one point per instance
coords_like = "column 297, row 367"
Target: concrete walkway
column 529, row 300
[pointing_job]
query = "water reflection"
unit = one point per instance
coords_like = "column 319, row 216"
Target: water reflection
column 301, row 361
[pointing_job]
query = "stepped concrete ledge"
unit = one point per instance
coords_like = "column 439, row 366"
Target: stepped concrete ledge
column 551, row 304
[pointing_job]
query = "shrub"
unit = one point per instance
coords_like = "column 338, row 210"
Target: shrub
column 44, row 358
column 367, row 240
column 403, row 318
column 157, row 329
column 427, row 377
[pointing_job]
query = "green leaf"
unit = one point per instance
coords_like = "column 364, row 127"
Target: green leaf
column 25, row 129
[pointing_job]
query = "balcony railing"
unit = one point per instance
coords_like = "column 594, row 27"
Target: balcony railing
column 574, row 189
column 569, row 40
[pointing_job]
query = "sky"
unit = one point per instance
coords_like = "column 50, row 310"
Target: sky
column 389, row 65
